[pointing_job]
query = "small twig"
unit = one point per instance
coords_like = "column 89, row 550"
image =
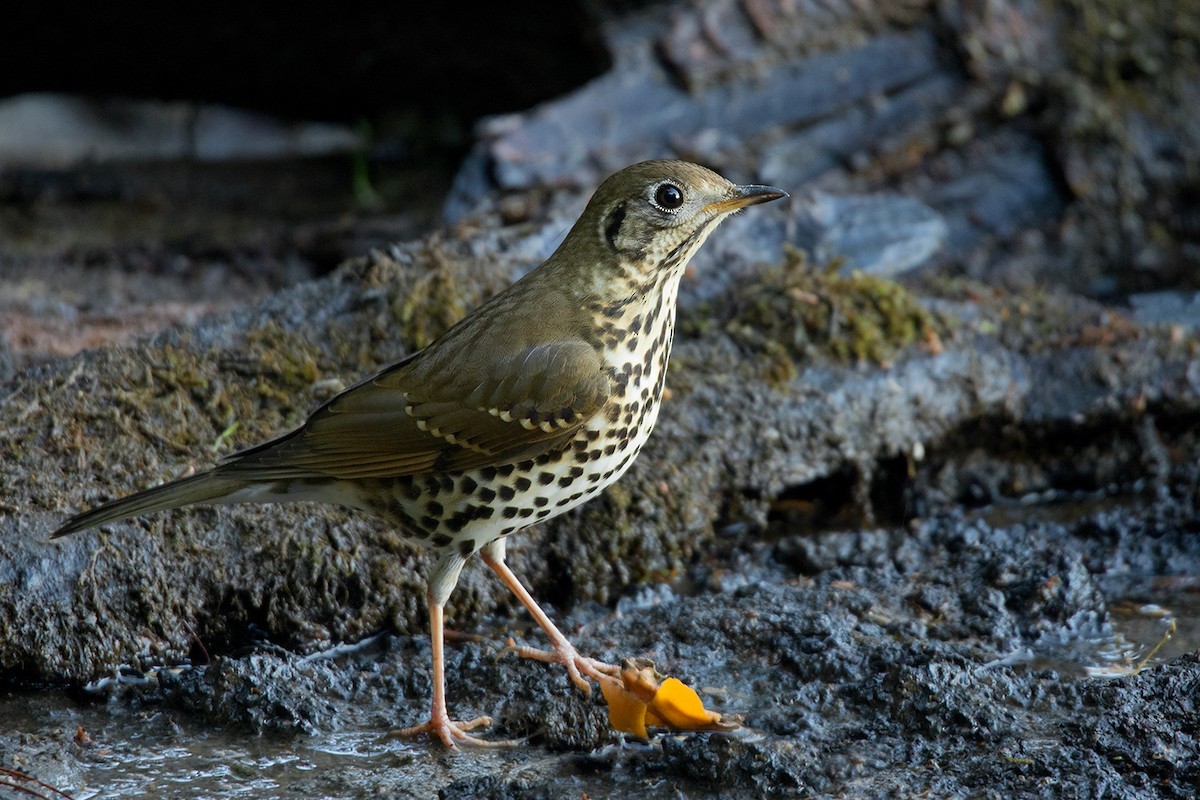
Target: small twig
column 21, row 776
column 1166, row 637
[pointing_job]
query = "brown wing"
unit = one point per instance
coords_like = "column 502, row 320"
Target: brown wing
column 426, row 414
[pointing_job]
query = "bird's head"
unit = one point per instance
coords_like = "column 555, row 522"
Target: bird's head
column 652, row 217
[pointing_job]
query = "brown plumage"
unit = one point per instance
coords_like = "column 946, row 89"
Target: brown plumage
column 529, row 406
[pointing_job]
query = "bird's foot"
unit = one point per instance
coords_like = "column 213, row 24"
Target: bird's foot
column 565, row 653
column 452, row 733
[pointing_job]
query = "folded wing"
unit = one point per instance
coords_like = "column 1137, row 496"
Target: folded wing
column 423, row 415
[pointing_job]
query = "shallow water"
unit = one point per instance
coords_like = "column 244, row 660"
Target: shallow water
column 162, row 754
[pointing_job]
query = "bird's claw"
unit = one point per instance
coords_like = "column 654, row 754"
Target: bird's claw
column 566, row 654
column 452, row 733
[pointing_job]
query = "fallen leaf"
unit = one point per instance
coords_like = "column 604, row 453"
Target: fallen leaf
column 676, row 705
column 641, row 697
column 626, row 712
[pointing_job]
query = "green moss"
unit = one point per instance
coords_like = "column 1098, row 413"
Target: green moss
column 436, row 294
column 799, row 312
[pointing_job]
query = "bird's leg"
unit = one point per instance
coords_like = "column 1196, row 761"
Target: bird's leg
column 439, row 725
column 564, row 652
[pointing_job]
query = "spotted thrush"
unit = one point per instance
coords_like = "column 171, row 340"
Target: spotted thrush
column 531, row 405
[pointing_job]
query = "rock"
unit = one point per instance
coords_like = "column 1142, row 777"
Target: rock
column 594, row 130
column 881, row 235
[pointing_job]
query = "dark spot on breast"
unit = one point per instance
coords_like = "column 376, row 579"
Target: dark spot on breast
column 509, row 512
column 522, row 484
column 507, row 493
column 541, row 502
column 442, row 540
column 460, row 520
column 468, row 485
column 546, row 478
column 488, row 474
column 466, row 548
column 505, row 470
column 487, row 494
column 434, row 509
column 526, row 512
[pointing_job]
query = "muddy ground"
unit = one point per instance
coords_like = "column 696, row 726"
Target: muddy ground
column 922, row 499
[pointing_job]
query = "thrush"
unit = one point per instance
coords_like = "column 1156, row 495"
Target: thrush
column 531, row 405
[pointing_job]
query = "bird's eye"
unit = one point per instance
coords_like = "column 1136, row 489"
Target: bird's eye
column 668, row 197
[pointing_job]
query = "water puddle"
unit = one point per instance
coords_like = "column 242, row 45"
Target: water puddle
column 106, row 752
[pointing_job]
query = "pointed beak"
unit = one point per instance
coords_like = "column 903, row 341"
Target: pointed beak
column 748, row 195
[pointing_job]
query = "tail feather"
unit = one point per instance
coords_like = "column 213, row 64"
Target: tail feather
column 206, row 487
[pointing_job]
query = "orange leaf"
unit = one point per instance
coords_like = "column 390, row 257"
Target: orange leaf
column 676, row 705
column 626, row 713
column 637, row 700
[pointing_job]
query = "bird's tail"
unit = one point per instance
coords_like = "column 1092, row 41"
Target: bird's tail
column 206, row 487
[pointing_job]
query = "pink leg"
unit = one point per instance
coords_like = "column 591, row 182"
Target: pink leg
column 564, row 652
column 439, row 724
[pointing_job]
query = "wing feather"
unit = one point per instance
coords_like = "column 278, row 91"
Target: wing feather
column 420, row 415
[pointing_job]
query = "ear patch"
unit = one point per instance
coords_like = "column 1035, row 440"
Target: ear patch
column 613, row 227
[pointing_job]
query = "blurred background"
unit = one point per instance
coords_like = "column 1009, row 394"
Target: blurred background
column 158, row 164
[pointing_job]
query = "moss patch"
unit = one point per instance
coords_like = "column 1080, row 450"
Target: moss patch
column 431, row 286
column 798, row 311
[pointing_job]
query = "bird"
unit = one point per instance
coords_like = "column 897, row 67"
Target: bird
column 529, row 406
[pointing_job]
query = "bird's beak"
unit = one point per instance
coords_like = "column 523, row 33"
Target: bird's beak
column 749, row 195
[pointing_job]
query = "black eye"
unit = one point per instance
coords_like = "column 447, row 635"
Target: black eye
column 668, row 197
